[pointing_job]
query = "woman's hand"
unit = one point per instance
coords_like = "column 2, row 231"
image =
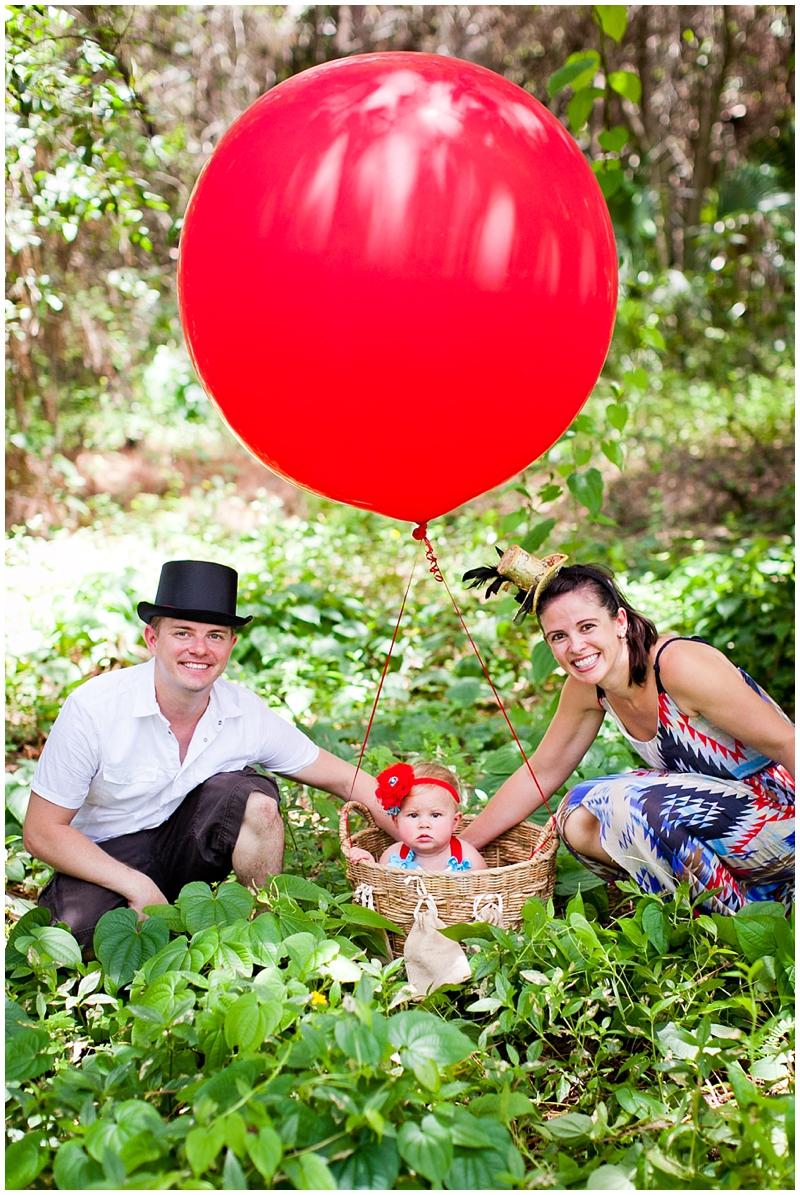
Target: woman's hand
column 567, row 739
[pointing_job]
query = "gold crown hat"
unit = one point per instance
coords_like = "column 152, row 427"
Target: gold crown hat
column 517, row 567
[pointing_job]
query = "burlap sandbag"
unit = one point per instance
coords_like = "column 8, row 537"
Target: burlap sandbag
column 431, row 959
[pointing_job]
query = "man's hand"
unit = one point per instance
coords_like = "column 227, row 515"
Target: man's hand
column 357, row 854
column 48, row 835
column 141, row 892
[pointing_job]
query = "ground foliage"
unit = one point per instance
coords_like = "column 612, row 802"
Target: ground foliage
column 637, row 1046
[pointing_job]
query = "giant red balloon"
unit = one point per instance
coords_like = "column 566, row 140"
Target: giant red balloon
column 397, row 281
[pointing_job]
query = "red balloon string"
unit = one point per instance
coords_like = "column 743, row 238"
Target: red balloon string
column 420, row 533
column 380, row 687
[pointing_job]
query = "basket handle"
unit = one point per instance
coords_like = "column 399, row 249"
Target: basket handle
column 344, row 822
column 549, row 830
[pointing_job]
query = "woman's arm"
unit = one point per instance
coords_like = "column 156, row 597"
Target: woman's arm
column 569, row 736
column 472, row 855
column 701, row 680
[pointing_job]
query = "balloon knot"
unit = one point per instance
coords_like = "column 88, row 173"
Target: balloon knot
column 421, row 531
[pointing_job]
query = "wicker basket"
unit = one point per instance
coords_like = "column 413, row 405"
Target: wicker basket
column 511, row 874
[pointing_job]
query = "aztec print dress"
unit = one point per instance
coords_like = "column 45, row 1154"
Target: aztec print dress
column 713, row 812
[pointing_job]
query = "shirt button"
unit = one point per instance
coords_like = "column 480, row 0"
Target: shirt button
column 205, row 740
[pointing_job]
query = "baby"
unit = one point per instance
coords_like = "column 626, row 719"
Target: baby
column 423, row 802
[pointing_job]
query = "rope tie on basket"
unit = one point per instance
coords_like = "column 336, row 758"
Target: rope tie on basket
column 424, row 895
column 488, row 907
column 421, row 533
column 364, row 895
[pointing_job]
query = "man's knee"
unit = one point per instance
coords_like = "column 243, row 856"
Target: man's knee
column 262, row 815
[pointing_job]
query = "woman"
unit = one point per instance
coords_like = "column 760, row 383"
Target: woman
column 717, row 808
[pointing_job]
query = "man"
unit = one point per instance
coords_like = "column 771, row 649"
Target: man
column 145, row 782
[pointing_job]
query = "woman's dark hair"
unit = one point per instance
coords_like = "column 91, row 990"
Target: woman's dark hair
column 642, row 633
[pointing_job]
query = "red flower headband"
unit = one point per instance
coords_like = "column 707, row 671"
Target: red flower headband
column 396, row 782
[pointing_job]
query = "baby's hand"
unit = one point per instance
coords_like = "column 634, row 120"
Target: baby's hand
column 357, row 854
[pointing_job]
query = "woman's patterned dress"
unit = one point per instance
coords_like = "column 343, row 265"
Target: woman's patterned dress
column 713, row 812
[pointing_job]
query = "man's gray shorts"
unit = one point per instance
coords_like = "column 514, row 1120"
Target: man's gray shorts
column 195, row 843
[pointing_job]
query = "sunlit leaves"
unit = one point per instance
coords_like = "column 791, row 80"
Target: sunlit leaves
column 612, row 18
column 200, row 908
column 587, row 488
column 122, row 943
column 578, row 71
column 626, row 84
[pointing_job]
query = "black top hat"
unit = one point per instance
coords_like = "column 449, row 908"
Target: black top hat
column 196, row 590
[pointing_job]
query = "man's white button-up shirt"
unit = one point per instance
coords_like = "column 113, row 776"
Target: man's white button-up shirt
column 112, row 756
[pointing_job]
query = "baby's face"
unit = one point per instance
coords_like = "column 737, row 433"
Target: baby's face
column 427, row 819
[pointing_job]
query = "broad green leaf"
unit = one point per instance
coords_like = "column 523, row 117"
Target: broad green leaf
column 141, row 1148
column 506, row 759
column 548, row 493
column 226, row 1086
column 264, row 938
column 578, row 71
column 342, row 969
column 640, row 1103
column 373, row 1166
column 265, row 1151
column 464, row 693
column 655, row 923
column 626, row 84
column 653, row 338
column 573, row 1128
column 506, row 1105
column 364, row 1046
column 462, row 931
column 580, row 106
column 542, row 662
column 588, row 489
column 613, row 140
column 358, row 915
column 474, row 1132
column 169, row 914
column 27, row 921
column 612, row 18
column 612, row 451
column 233, row 1177
column 420, row 1036
column 426, row 1147
column 25, row 1057
column 24, row 1160
column 610, row 180
column 122, row 943
column 309, row 1172
column 677, row 1041
column 73, row 1170
column 58, row 944
column 539, row 533
column 479, row 1170
column 299, row 889
column 746, row 1092
column 761, row 935
column 609, row 1178
column 246, row 1023
column 200, row 908
column 617, row 412
column 512, row 520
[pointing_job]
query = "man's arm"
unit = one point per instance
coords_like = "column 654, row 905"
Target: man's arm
column 48, row 835
column 336, row 776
